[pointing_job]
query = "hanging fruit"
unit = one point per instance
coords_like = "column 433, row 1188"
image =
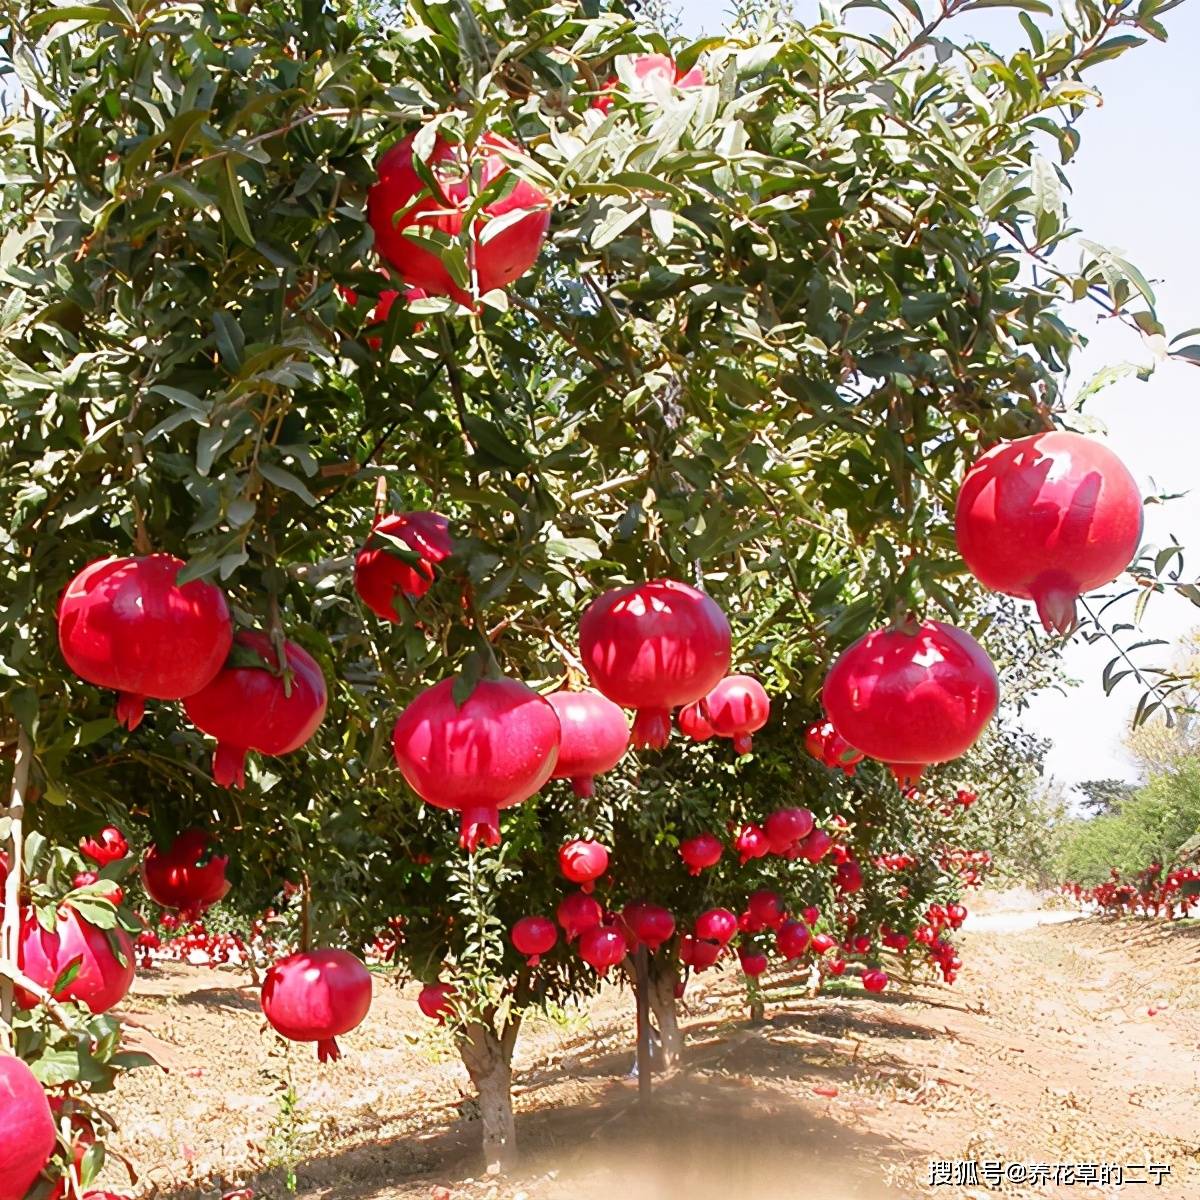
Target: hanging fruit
column 187, row 876
column 400, row 200
column 108, row 846
column 654, row 75
column 578, row 912
column 436, row 1001
column 382, row 576
column 595, row 734
column 534, row 936
column 252, row 707
column 652, row 647
column 647, row 924
column 693, row 723
column 27, row 1133
column 701, row 852
column 583, row 861
column 754, row 962
column 716, row 925
column 1047, row 518
column 751, row 842
column 736, row 708
column 104, row 957
column 602, row 946
column 827, row 746
column 792, row 939
column 786, row 827
column 911, row 695
column 494, row 750
column 124, row 624
column 316, row 996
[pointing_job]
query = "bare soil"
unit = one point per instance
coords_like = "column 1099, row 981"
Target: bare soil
column 1044, row 1051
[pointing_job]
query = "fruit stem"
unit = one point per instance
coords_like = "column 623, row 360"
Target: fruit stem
column 651, row 729
column 131, row 709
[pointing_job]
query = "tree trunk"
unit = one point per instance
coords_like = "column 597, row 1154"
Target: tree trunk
column 488, row 1060
column 664, row 977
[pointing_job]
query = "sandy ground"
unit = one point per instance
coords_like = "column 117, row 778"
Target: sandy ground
column 1044, row 1052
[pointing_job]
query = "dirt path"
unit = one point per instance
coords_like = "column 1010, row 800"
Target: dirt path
column 1044, row 1052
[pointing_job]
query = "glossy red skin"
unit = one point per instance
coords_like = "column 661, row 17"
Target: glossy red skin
column 811, row 915
column 692, row 722
column 102, row 981
column 583, row 861
column 124, row 624
column 400, row 190
column 108, row 846
column 697, row 954
column 1047, row 518
column 649, row 68
column 436, row 1001
column 246, row 709
column 701, row 852
column 849, row 877
column 787, row 826
column 534, row 936
column 602, row 947
column 380, row 578
column 594, row 736
column 766, row 908
column 753, row 963
column 815, row 846
column 649, row 924
column 874, row 981
column 716, row 925
column 792, row 939
column 836, row 966
column 652, row 647
column 751, row 842
column 738, row 707
column 176, row 879
column 822, row 943
column 578, row 912
column 912, row 698
column 316, row 996
column 827, row 746
column 495, row 751
column 27, row 1135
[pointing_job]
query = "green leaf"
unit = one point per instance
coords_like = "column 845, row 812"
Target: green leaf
column 286, row 480
column 233, row 205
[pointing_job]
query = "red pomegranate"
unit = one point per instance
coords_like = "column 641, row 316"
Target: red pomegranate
column 316, row 996
column 693, row 723
column 751, row 842
column 716, row 925
column 811, row 915
column 436, row 1001
column 653, row 74
column 124, row 624
column 753, row 962
column 383, row 308
column 815, row 846
column 255, row 708
column 187, row 877
column 792, row 939
column 738, row 707
column 787, row 826
column 595, row 734
column 766, row 909
column 382, row 576
column 534, row 936
column 849, row 877
column 653, row 647
column 701, row 852
column 27, row 1135
column 1047, row 518
column 493, row 751
column 602, row 947
column 697, row 954
column 912, row 694
column 874, row 981
column 108, row 846
column 400, row 200
column 822, row 943
column 578, row 912
column 105, row 959
column 583, row 861
column 649, row 924
column 827, row 746
column 836, row 966
column 861, row 944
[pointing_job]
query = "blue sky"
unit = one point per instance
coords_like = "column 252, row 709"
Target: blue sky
column 1135, row 183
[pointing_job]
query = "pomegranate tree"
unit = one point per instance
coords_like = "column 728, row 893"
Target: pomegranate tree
column 1047, row 518
column 594, row 736
column 316, row 996
column 383, row 572
column 124, row 624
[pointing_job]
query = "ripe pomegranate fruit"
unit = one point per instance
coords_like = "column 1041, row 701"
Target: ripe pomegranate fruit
column 738, row 707
column 381, row 576
column 653, row 647
column 602, row 946
column 534, row 936
column 583, row 861
column 827, row 746
column 766, row 908
column 811, row 915
column 754, row 963
column 649, row 924
column 654, row 74
column 911, row 695
column 815, row 846
column 701, row 852
column 27, row 1135
column 578, row 912
column 383, row 308
column 716, row 925
column 124, row 624
column 1047, row 518
column 836, row 966
column 436, row 1001
column 105, row 959
column 253, row 708
column 849, row 877
column 108, row 846
column 751, row 842
column 822, row 943
column 874, row 981
column 493, row 751
column 792, row 939
column 595, row 734
column 187, row 876
column 693, row 723
column 697, row 954
column 400, row 200
column 787, row 826
column 316, row 996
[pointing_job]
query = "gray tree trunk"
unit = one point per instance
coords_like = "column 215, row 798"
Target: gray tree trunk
column 664, row 977
column 488, row 1060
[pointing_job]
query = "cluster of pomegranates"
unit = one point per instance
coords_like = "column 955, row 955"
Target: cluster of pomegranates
column 1153, row 892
